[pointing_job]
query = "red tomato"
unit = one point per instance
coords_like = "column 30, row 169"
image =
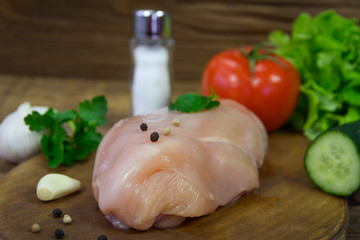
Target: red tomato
column 271, row 91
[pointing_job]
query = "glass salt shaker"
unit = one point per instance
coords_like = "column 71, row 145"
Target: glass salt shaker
column 151, row 50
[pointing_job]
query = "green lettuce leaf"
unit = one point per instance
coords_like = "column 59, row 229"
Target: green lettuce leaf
column 325, row 49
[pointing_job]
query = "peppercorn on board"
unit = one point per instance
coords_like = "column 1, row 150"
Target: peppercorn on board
column 287, row 205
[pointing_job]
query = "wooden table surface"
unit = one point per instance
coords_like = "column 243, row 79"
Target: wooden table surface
column 67, row 93
column 91, row 38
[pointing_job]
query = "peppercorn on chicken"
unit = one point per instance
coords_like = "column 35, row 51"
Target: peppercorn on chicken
column 144, row 177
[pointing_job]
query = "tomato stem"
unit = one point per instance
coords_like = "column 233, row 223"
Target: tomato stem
column 259, row 53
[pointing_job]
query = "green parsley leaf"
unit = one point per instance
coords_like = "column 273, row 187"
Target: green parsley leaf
column 65, row 116
column 93, row 113
column 52, row 145
column 38, row 122
column 193, row 102
column 69, row 136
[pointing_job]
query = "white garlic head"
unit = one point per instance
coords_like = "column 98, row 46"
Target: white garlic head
column 17, row 142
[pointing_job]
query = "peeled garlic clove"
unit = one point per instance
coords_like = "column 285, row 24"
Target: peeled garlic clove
column 17, row 142
column 54, row 185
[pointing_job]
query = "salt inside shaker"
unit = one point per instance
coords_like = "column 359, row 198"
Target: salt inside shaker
column 151, row 50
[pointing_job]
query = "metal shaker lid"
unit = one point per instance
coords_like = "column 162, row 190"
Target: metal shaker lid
column 152, row 24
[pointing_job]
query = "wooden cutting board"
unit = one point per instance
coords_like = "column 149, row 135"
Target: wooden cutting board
column 286, row 206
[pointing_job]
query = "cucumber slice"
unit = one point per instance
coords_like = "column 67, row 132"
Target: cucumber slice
column 332, row 162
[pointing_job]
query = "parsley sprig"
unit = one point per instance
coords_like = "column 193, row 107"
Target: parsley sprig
column 69, row 136
column 193, row 102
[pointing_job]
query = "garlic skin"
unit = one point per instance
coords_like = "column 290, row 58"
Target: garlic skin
column 17, row 142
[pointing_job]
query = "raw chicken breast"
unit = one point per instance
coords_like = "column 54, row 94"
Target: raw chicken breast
column 208, row 160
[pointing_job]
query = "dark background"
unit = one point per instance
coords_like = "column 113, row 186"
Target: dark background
column 90, row 38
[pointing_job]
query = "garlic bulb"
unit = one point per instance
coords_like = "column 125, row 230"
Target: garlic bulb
column 17, row 142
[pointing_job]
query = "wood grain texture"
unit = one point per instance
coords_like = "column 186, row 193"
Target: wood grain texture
column 90, row 38
column 286, row 206
column 63, row 93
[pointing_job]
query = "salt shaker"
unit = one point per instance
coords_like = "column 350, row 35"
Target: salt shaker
column 151, row 50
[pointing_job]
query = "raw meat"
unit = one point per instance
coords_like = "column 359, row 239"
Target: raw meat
column 206, row 162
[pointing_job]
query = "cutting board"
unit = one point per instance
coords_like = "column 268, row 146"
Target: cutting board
column 286, row 206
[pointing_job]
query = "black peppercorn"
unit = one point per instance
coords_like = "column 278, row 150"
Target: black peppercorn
column 57, row 212
column 59, row 234
column 102, row 237
column 143, row 127
column 154, row 136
